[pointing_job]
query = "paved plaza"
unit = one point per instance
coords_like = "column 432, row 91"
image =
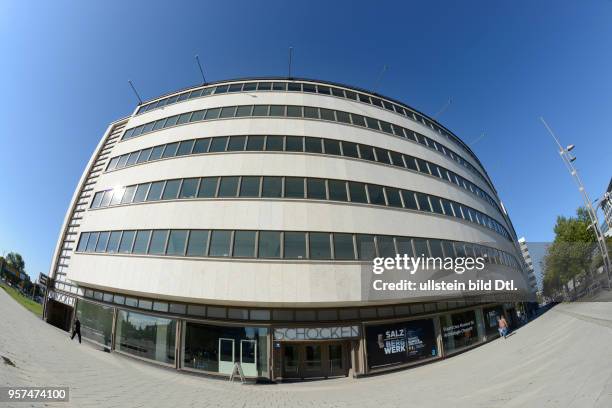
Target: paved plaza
column 562, row 359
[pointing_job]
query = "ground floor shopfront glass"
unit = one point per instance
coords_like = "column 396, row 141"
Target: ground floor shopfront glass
column 390, row 345
column 460, row 330
column 315, row 360
column 146, row 336
column 96, row 322
column 215, row 349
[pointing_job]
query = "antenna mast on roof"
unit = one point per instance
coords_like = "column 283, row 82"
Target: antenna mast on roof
column 478, row 139
column 135, row 91
column 201, row 70
column 377, row 82
column 441, row 111
column 290, row 58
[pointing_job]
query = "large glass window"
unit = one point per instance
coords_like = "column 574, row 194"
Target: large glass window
column 249, row 186
column 185, row 148
column 343, row 246
column 158, row 242
column 126, row 242
column 113, row 242
column 142, row 242
column 272, row 187
column 198, row 242
column 128, row 195
column 366, row 249
column 170, row 150
column 176, row 242
column 228, row 187
column 269, row 244
column 295, row 245
column 218, row 144
column 93, row 240
column 200, row 146
column 244, row 244
column 316, row 189
column 294, row 144
column 294, row 187
column 376, row 194
column 236, row 143
column 337, row 190
column 220, row 243
column 274, row 143
column 171, row 190
column 319, row 245
column 102, row 242
column 189, row 188
column 155, row 191
column 357, row 192
column 350, row 149
column 96, row 322
column 332, row 147
column 206, row 345
column 146, row 336
column 393, row 197
column 256, row 143
column 423, row 202
column 386, row 247
column 313, row 145
column 208, row 187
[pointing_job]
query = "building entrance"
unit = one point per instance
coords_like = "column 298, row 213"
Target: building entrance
column 315, row 360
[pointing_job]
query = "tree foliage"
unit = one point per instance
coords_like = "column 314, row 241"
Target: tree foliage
column 571, row 253
column 16, row 261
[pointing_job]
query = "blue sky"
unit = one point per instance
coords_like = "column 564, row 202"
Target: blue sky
column 65, row 68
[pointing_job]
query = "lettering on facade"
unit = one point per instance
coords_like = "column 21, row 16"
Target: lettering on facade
column 62, row 298
column 316, row 333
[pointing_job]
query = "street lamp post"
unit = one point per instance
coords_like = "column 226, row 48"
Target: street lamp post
column 568, row 160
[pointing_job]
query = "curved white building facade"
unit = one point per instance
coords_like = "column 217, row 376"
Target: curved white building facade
column 231, row 222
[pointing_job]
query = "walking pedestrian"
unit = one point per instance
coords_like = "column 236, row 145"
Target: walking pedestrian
column 502, row 326
column 76, row 330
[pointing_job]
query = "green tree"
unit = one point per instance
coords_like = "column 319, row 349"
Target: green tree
column 16, row 261
column 571, row 253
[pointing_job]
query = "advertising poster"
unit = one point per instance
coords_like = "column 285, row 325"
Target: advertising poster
column 399, row 343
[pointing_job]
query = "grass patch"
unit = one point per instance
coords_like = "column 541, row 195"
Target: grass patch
column 29, row 304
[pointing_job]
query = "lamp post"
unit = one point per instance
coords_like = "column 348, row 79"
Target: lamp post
column 568, row 160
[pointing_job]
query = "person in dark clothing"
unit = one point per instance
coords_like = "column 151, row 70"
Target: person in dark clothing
column 76, row 330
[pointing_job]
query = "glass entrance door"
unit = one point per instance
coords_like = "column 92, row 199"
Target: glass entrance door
column 248, row 357
column 337, row 364
column 291, row 361
column 226, row 355
column 312, row 360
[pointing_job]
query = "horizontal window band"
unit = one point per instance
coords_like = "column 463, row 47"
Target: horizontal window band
column 299, row 188
column 301, row 112
column 287, row 245
column 296, row 144
column 307, row 87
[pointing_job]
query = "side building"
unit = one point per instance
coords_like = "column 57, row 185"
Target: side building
column 529, row 264
column 231, row 223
